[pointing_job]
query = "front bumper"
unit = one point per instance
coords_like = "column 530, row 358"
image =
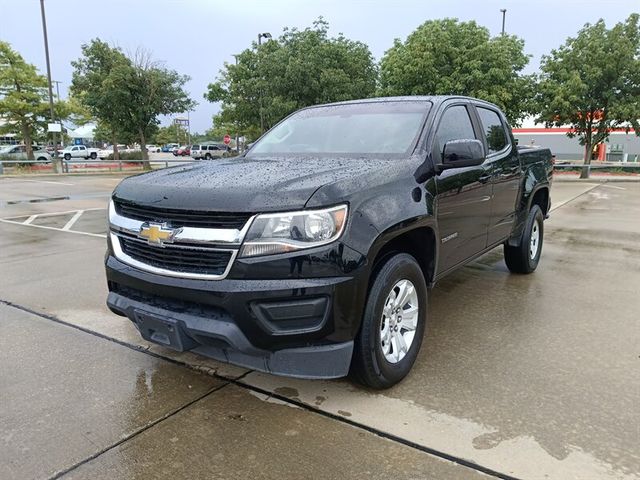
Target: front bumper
column 300, row 327
column 226, row 342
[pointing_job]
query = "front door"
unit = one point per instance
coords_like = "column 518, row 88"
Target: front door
column 463, row 201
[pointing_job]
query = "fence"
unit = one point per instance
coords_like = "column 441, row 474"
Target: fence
column 121, row 165
column 112, row 165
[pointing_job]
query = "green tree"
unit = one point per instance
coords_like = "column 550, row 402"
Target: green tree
column 23, row 104
column 148, row 90
column 448, row 57
column 90, row 87
column 592, row 83
column 170, row 134
column 301, row 68
column 127, row 94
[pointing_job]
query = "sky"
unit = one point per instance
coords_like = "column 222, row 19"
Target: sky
column 196, row 37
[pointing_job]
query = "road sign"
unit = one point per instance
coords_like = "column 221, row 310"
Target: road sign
column 54, row 127
column 227, row 139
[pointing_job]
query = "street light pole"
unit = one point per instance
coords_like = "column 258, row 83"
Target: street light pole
column 260, row 37
column 504, row 13
column 236, row 55
column 46, row 52
column 59, row 100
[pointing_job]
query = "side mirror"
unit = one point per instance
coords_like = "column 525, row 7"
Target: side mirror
column 462, row 153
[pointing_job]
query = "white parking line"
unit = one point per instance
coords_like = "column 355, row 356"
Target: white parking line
column 51, row 214
column 99, row 235
column 73, row 220
column 558, row 205
column 30, row 219
column 42, row 181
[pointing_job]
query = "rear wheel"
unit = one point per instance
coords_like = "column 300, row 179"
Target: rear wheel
column 524, row 258
column 393, row 323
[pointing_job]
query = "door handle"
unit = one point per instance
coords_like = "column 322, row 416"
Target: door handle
column 484, row 178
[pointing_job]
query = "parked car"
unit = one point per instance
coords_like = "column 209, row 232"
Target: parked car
column 153, row 149
column 168, row 148
column 104, row 153
column 19, row 152
column 208, row 152
column 183, row 151
column 311, row 254
column 79, row 151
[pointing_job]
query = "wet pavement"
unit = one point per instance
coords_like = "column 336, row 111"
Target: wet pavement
column 519, row 376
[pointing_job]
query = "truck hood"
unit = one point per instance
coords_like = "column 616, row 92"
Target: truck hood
column 244, row 184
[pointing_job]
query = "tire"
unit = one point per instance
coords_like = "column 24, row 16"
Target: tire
column 371, row 365
column 67, row 156
column 524, row 258
column 93, row 155
column 207, row 156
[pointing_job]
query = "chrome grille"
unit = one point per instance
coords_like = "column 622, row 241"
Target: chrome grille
column 186, row 259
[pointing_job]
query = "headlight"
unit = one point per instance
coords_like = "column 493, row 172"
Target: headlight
column 287, row 232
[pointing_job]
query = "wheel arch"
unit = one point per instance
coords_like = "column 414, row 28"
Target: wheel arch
column 541, row 197
column 418, row 241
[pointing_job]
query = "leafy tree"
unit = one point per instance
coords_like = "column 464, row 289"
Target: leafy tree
column 148, row 90
column 301, row 68
column 90, row 87
column 23, row 104
column 443, row 57
column 592, row 83
column 127, row 94
column 170, row 134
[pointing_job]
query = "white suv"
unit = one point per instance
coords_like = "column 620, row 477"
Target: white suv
column 208, row 151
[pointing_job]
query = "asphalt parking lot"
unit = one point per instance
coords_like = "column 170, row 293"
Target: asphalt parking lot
column 532, row 377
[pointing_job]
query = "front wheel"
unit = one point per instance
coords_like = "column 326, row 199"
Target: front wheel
column 67, row 156
column 393, row 323
column 93, row 155
column 524, row 258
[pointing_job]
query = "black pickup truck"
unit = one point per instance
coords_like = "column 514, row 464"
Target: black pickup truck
column 311, row 254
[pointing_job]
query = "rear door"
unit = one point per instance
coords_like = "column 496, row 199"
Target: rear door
column 506, row 172
column 463, row 201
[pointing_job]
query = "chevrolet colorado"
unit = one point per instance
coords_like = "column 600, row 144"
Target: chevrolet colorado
column 312, row 253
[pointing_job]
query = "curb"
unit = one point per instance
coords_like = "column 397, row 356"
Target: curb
column 557, row 179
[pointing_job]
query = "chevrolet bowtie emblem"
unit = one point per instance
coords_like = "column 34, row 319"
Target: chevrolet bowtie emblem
column 157, row 233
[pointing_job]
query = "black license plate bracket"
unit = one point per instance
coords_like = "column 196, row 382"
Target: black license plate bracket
column 164, row 331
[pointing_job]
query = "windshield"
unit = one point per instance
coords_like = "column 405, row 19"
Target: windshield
column 349, row 130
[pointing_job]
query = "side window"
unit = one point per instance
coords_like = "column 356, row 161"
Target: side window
column 74, row 149
column 455, row 124
column 494, row 130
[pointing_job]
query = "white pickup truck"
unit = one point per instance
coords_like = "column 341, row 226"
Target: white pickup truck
column 79, row 151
